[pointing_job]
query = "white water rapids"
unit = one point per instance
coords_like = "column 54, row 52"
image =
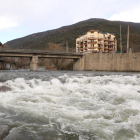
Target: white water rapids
column 72, row 106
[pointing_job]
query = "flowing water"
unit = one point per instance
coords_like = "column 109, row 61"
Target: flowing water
column 63, row 105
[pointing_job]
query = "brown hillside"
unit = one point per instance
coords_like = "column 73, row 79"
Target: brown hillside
column 70, row 33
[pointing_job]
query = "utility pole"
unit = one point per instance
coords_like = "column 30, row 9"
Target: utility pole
column 133, row 43
column 67, row 48
column 128, row 40
column 120, row 40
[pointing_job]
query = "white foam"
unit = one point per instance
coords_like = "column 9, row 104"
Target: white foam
column 102, row 106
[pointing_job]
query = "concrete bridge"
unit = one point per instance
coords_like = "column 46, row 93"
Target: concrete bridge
column 88, row 61
column 78, row 63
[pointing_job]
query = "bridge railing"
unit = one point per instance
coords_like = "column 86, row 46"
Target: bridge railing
column 41, row 50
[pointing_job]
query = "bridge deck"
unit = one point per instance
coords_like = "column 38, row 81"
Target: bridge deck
column 43, row 54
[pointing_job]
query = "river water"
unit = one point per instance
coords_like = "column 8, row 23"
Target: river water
column 68, row 105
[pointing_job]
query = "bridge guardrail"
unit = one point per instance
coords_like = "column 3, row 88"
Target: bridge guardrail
column 43, row 51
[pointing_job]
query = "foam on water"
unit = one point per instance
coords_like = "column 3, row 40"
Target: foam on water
column 72, row 107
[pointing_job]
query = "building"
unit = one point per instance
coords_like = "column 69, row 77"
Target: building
column 1, row 46
column 95, row 42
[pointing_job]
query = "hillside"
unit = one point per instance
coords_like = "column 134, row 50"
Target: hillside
column 69, row 33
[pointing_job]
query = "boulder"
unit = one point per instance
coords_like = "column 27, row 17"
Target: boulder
column 4, row 131
column 5, row 88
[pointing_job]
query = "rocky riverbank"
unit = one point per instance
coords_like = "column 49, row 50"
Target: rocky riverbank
column 46, row 63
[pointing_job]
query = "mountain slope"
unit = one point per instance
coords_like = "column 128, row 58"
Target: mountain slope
column 70, row 33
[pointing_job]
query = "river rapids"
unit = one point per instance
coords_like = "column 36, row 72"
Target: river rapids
column 63, row 105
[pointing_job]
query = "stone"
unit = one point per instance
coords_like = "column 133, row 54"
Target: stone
column 5, row 88
column 4, row 131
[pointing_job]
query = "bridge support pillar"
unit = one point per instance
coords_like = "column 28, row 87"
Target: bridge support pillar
column 79, row 64
column 33, row 63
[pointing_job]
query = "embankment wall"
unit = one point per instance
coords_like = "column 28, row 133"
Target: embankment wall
column 112, row 62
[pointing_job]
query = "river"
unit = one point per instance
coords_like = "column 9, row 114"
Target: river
column 70, row 105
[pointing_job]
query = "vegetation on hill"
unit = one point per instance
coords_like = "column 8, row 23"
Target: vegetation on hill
column 69, row 33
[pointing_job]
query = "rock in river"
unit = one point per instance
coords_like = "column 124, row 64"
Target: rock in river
column 5, row 88
column 4, row 131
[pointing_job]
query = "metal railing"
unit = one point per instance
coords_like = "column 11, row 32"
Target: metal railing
column 100, row 38
column 70, row 50
column 90, row 38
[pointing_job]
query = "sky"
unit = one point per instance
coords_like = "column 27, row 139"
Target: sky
column 19, row 18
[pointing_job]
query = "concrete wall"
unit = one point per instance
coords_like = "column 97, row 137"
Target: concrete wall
column 112, row 62
column 78, row 64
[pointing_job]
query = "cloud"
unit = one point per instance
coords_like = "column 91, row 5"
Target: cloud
column 24, row 9
column 33, row 16
column 30, row 13
column 7, row 22
column 130, row 15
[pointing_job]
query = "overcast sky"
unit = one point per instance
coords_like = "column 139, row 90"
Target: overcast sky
column 19, row 18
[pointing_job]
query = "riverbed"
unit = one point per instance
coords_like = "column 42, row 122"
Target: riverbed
column 70, row 105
